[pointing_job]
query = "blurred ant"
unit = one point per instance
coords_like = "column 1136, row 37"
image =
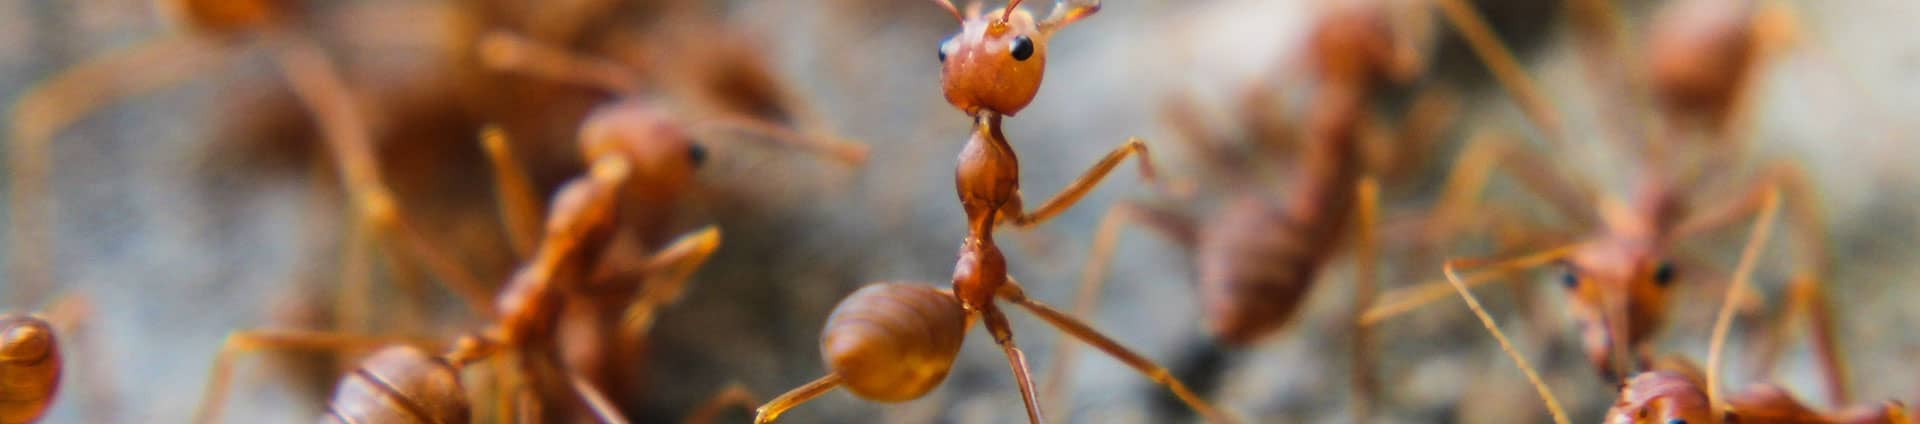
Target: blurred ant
column 1619, row 279
column 894, row 342
column 532, row 308
column 1672, row 390
column 1259, row 254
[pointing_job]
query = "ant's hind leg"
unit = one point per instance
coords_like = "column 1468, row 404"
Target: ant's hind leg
column 1174, row 226
column 771, row 411
column 242, row 342
column 1012, row 292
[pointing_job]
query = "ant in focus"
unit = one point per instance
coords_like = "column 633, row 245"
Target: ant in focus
column 894, row 342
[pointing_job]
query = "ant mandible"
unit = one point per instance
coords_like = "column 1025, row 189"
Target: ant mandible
column 895, row 342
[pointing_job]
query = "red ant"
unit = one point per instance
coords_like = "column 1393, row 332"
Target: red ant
column 1258, row 256
column 1619, row 280
column 893, row 342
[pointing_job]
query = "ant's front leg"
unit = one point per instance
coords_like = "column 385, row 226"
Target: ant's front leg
column 1010, row 213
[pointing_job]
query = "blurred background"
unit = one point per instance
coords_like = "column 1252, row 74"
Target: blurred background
column 209, row 204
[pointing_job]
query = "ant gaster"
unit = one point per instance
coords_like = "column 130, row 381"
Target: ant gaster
column 894, row 342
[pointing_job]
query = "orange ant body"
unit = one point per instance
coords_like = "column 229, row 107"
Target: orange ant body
column 1674, row 391
column 1259, row 254
column 30, row 367
column 895, row 342
column 1619, row 279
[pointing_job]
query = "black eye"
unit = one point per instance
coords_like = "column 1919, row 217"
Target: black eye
column 1676, row 421
column 1022, row 48
column 945, row 45
column 697, row 154
column 1569, row 279
column 1663, row 275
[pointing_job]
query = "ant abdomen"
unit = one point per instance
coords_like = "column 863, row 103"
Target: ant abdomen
column 400, row 384
column 893, row 342
column 1254, row 270
column 29, row 367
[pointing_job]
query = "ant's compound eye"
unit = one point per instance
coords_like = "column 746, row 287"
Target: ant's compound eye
column 1663, row 275
column 946, row 47
column 1022, row 48
column 1569, row 279
column 697, row 154
column 1676, row 421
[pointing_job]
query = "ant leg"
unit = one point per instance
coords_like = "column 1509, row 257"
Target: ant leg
column 1079, row 188
column 771, row 411
column 1400, row 301
column 1499, row 59
column 596, row 401
column 1174, row 226
column 667, row 273
column 316, row 83
column 1553, row 405
column 735, row 395
column 846, row 151
column 56, row 103
column 506, row 51
column 1460, row 195
column 1365, row 388
column 1012, row 292
column 519, row 204
column 1002, row 332
column 1806, row 287
column 257, row 340
column 1762, row 228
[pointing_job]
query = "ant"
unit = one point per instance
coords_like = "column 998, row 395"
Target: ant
column 1619, row 279
column 404, row 380
column 1672, row 390
column 893, row 342
column 1259, row 254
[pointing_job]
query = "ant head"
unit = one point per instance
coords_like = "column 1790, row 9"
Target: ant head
column 1618, row 294
column 995, row 63
column 1660, row 397
column 663, row 157
column 24, row 339
column 226, row 17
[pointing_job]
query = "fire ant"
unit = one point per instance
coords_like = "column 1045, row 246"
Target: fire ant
column 1258, row 255
column 1672, row 390
column 893, row 342
column 1619, row 279
column 531, row 309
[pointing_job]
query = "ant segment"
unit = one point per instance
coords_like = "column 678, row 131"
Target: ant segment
column 893, row 342
column 33, row 359
column 1618, row 280
column 1260, row 253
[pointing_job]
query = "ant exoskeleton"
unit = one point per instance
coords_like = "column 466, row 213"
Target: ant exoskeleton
column 893, row 342
column 1259, row 254
column 1619, row 279
column 1674, row 391
column 33, row 358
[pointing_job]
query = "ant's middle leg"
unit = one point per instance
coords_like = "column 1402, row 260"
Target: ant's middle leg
column 1181, row 229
